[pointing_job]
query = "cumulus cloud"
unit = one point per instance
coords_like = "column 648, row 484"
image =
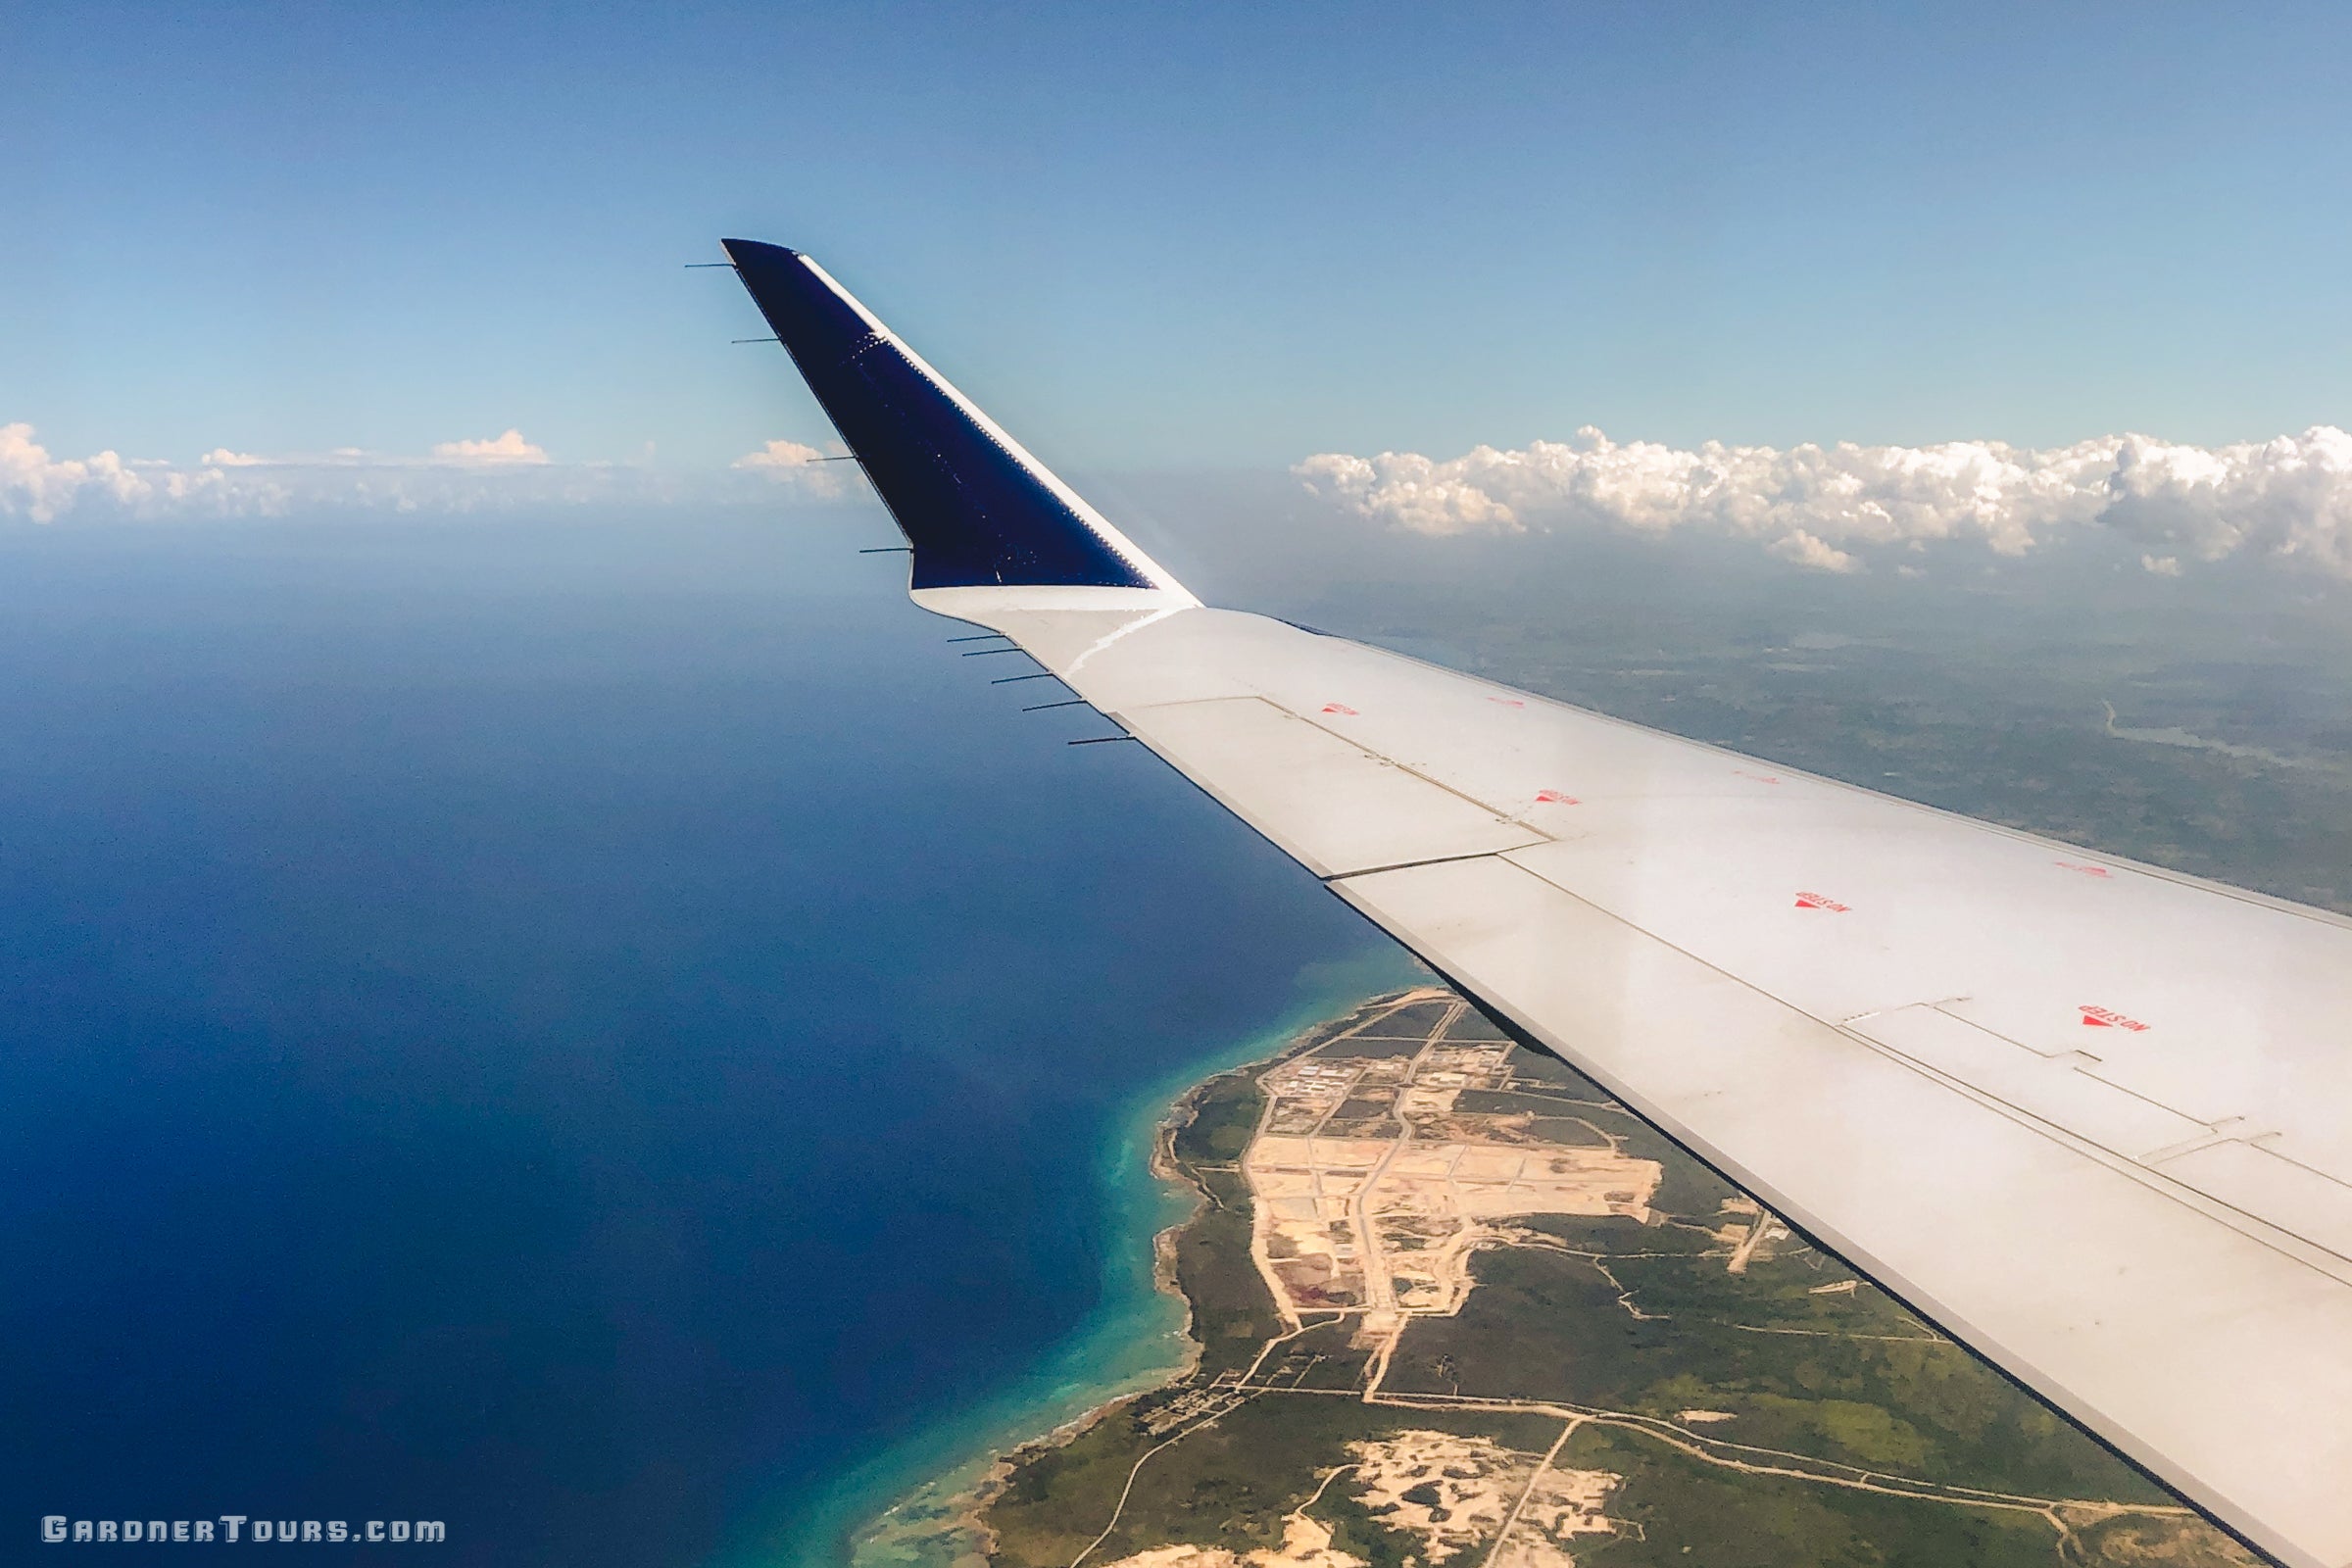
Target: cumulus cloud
column 456, row 475
column 780, row 455
column 1801, row 548
column 1832, row 509
column 508, row 448
column 487, row 473
column 804, row 467
column 35, row 486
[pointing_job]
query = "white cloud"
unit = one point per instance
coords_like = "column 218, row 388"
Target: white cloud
column 35, row 486
column 508, row 448
column 459, row 475
column 1799, row 548
column 2287, row 500
column 805, row 468
column 497, row 473
column 779, row 455
column 1413, row 492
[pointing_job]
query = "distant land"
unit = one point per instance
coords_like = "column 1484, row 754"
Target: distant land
column 1454, row 1305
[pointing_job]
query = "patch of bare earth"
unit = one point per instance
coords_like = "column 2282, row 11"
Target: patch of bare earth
column 1457, row 1494
column 1304, row 1544
column 1561, row 1505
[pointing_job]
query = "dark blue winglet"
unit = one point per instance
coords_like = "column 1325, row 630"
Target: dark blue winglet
column 974, row 510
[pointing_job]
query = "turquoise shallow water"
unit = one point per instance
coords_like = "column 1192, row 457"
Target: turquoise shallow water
column 895, row 1509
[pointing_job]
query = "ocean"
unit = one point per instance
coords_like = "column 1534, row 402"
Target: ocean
column 606, row 1033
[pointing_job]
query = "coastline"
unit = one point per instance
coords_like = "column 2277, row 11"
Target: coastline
column 1470, row 1459
column 971, row 1504
column 917, row 1503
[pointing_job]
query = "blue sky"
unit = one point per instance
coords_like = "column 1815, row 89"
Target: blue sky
column 1180, row 237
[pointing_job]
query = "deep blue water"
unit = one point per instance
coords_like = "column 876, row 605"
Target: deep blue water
column 586, row 1032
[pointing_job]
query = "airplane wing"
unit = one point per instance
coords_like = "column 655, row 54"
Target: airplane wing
column 2093, row 1118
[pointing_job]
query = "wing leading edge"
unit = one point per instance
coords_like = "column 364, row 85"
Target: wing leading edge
column 2087, row 1117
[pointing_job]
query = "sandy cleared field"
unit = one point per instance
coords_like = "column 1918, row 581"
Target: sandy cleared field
column 1385, row 1225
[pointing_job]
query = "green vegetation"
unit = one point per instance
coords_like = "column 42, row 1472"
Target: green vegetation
column 1223, row 1118
column 1228, row 1484
column 1548, row 1326
column 1058, row 1498
column 1232, row 1313
column 1687, row 1383
column 1689, row 1511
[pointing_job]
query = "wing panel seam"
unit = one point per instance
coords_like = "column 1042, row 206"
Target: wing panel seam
column 1383, row 757
column 2269, row 1234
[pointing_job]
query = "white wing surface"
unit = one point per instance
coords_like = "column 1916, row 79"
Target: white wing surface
column 2093, row 1118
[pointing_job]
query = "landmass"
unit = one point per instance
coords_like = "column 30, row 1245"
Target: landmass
column 1456, row 1305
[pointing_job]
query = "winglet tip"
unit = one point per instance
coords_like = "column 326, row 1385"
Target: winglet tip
column 738, row 249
